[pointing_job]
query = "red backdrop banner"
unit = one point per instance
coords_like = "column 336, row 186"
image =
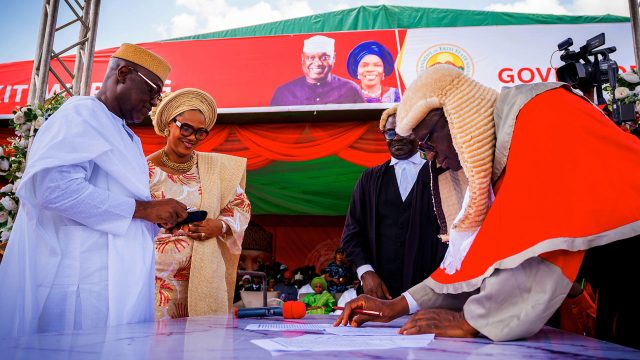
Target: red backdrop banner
column 237, row 72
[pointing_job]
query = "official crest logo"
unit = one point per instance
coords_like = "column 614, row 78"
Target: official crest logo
column 446, row 54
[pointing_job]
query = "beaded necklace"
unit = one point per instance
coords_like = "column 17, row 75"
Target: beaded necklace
column 179, row 167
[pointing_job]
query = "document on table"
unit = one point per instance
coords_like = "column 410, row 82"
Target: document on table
column 363, row 331
column 340, row 330
column 288, row 327
column 312, row 342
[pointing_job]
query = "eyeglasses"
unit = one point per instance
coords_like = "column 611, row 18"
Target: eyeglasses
column 425, row 146
column 187, row 130
column 389, row 134
column 322, row 58
column 158, row 95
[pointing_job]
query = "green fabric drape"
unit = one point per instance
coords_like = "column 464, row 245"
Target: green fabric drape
column 316, row 187
column 398, row 17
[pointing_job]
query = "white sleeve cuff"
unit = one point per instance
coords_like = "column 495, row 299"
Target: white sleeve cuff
column 363, row 269
column 413, row 305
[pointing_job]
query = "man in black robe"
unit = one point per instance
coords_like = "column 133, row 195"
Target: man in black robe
column 391, row 232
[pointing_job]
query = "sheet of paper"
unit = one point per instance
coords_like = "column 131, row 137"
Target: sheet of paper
column 287, row 327
column 363, row 331
column 312, row 342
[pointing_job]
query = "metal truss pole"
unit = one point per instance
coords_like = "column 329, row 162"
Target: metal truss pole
column 43, row 48
column 86, row 15
column 635, row 29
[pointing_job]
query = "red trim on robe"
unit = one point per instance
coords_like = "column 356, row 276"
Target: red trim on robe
column 571, row 173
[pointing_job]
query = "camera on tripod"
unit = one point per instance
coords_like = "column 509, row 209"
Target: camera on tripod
column 585, row 74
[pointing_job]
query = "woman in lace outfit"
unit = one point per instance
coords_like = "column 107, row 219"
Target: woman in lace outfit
column 196, row 263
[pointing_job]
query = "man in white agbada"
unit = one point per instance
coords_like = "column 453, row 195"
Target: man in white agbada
column 81, row 254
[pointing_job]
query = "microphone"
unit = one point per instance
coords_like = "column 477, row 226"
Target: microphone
column 289, row 310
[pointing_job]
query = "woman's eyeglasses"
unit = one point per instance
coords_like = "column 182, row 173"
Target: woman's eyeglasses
column 154, row 88
column 187, row 130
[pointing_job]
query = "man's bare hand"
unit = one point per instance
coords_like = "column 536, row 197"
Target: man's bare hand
column 441, row 322
column 166, row 212
column 390, row 309
column 374, row 286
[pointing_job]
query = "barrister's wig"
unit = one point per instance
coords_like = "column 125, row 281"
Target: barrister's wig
column 176, row 103
column 468, row 106
column 145, row 58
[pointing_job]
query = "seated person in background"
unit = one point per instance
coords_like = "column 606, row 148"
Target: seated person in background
column 288, row 291
column 298, row 281
column 303, row 287
column 321, row 301
column 279, row 275
column 271, row 284
column 256, row 284
column 349, row 295
column 338, row 273
column 246, row 280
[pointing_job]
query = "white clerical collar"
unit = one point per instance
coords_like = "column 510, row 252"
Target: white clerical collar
column 415, row 159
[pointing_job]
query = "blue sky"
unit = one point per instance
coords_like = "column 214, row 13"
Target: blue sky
column 148, row 20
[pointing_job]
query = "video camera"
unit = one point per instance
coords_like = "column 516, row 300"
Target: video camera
column 583, row 73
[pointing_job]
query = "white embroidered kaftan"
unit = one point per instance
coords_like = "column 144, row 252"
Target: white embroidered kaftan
column 76, row 259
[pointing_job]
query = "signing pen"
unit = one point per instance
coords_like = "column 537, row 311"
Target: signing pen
column 360, row 311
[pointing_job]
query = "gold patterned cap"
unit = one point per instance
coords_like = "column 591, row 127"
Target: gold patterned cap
column 145, row 58
column 176, row 103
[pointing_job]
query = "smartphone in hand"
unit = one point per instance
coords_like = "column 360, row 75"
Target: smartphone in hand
column 193, row 215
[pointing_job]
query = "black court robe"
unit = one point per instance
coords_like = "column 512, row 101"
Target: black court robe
column 423, row 250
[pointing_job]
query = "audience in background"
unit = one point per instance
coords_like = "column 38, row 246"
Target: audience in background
column 256, row 284
column 320, row 301
column 338, row 273
column 287, row 290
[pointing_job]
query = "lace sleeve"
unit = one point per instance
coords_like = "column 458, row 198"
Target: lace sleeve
column 236, row 215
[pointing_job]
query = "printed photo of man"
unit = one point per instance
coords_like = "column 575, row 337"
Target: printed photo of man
column 318, row 85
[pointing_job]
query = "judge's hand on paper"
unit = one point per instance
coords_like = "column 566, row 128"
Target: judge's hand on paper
column 166, row 212
column 390, row 309
column 441, row 322
column 374, row 286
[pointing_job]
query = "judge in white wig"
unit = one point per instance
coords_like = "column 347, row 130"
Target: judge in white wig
column 81, row 251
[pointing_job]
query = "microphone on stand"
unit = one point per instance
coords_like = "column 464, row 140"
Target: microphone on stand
column 289, row 310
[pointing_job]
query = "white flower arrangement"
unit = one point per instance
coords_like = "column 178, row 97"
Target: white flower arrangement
column 13, row 157
column 627, row 92
column 622, row 92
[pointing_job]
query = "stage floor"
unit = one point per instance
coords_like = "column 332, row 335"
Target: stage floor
column 221, row 338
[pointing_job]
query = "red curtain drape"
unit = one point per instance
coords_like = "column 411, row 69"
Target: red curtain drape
column 303, row 240
column 359, row 143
